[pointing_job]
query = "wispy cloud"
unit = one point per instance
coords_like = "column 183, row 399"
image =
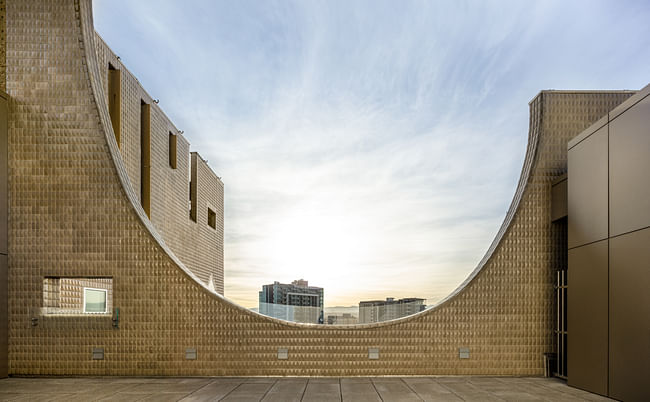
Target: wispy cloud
column 370, row 147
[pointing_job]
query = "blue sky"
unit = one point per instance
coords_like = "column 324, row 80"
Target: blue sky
column 371, row 147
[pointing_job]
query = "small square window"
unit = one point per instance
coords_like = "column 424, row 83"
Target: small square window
column 94, row 300
column 212, row 219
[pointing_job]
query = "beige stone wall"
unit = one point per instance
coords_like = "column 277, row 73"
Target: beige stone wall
column 73, row 214
column 200, row 249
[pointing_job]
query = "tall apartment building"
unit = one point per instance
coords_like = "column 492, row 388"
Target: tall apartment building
column 389, row 309
column 296, row 302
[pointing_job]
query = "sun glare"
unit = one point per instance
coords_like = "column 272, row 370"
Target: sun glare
column 321, row 248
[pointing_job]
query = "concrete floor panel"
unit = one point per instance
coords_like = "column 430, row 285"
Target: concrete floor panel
column 386, row 389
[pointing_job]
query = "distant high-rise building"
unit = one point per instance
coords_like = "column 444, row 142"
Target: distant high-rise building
column 389, row 309
column 297, row 302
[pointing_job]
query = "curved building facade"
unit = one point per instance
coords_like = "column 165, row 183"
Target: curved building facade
column 75, row 212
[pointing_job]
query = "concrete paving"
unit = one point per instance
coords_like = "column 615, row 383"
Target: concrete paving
column 289, row 389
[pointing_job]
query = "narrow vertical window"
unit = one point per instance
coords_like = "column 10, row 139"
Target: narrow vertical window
column 193, row 192
column 212, row 218
column 94, row 300
column 114, row 100
column 172, row 150
column 145, row 157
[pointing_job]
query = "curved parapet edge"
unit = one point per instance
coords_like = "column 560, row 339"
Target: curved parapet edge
column 88, row 32
column 529, row 160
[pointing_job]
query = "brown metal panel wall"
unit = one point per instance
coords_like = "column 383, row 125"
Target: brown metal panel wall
column 588, row 190
column 629, row 307
column 588, row 321
column 629, row 161
column 626, row 266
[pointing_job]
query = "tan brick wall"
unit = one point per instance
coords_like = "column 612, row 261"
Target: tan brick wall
column 73, row 215
column 200, row 249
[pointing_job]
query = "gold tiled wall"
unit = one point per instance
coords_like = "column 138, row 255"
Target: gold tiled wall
column 72, row 215
column 198, row 246
column 209, row 194
column 51, row 292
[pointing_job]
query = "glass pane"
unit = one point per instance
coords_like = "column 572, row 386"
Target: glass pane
column 95, row 301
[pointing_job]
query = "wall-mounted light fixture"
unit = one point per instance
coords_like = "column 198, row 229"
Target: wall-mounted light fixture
column 116, row 318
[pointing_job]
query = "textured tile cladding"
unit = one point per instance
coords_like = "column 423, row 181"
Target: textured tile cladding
column 209, row 197
column 73, row 215
column 196, row 244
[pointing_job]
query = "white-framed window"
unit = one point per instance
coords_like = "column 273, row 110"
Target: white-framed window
column 95, row 301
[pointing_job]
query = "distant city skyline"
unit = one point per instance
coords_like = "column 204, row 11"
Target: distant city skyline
column 352, row 138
